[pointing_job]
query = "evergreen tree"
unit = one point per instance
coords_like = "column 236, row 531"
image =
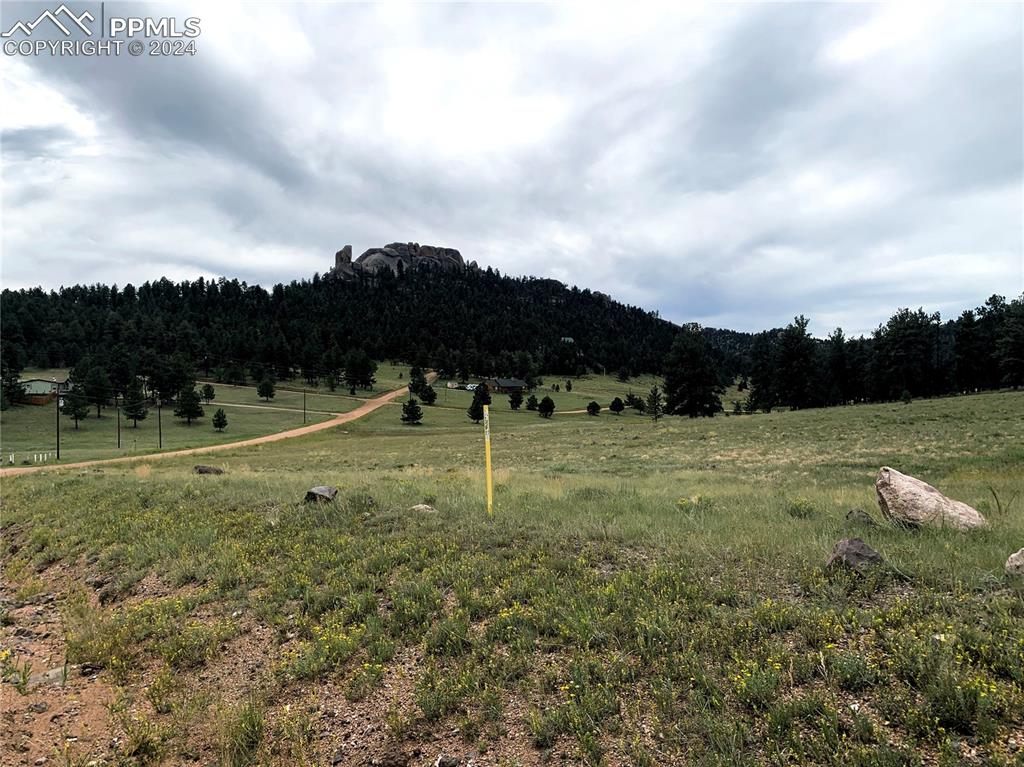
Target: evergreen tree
column 208, row 393
column 796, row 365
column 1010, row 345
column 428, row 395
column 359, row 370
column 331, row 363
column 75, row 406
column 266, row 389
column 515, row 400
column 654, row 407
column 417, row 381
column 531, row 402
column 593, row 408
column 11, row 390
column 623, row 375
column 568, row 386
column 220, row 419
column 546, row 408
column 617, row 406
column 189, row 406
column 412, row 413
column 476, row 409
column 838, row 369
column 693, row 385
column 97, row 387
column 135, row 403
column 483, row 393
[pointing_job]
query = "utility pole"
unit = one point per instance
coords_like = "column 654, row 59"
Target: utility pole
column 57, row 401
column 159, row 425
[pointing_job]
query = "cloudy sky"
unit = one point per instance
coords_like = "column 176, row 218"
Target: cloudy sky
column 735, row 165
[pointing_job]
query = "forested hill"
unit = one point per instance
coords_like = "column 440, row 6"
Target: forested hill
column 467, row 319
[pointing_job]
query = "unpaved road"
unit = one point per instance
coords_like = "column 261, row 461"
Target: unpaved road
column 365, row 409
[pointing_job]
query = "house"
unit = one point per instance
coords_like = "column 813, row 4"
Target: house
column 40, row 391
column 505, row 385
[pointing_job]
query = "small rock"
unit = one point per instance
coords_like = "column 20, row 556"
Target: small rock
column 909, row 502
column 447, row 761
column 854, row 554
column 1015, row 564
column 236, row 614
column 339, row 756
column 321, row 494
column 38, row 708
column 860, row 517
column 201, row 469
column 423, row 508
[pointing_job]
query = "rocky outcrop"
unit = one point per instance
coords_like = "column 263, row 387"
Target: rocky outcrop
column 395, row 256
column 909, row 502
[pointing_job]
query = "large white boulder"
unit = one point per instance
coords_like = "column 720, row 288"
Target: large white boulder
column 909, row 502
column 1015, row 564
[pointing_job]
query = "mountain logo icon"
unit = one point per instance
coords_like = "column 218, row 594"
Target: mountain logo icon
column 55, row 17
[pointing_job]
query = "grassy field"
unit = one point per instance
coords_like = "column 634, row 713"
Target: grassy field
column 644, row 594
column 29, row 430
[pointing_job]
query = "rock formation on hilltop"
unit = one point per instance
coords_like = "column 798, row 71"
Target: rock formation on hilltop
column 409, row 254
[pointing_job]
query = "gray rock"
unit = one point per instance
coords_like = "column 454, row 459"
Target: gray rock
column 909, row 502
column 447, row 761
column 394, row 256
column 860, row 517
column 200, row 469
column 854, row 554
column 1015, row 564
column 321, row 494
column 423, row 508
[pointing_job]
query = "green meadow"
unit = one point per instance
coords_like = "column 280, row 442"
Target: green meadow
column 645, row 593
column 29, row 430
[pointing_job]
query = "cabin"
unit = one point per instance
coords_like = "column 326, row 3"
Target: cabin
column 505, row 385
column 41, row 391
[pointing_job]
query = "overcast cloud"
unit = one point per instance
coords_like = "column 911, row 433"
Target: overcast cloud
column 734, row 165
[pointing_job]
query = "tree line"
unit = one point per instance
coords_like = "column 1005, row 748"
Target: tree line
column 479, row 323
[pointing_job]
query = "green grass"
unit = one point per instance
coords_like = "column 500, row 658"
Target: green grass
column 284, row 397
column 27, row 430
column 644, row 594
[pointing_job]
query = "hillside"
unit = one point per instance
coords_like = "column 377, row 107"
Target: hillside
column 478, row 319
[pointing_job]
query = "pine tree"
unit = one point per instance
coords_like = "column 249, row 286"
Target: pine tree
column 75, row 405
column 220, row 419
column 515, row 400
column 208, row 393
column 476, row 408
column 693, row 385
column 546, row 408
column 654, row 406
column 617, row 406
column 135, row 403
column 97, row 387
column 531, row 402
column 188, row 406
column 417, row 381
column 266, row 389
column 483, row 393
column 593, row 408
column 427, row 394
column 568, row 385
column 412, row 413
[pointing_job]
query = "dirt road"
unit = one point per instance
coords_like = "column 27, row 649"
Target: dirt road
column 365, row 409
